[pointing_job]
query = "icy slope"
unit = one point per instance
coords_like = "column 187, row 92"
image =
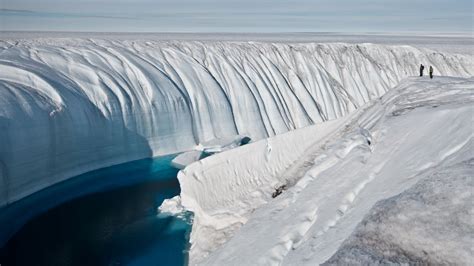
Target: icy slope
column 72, row 105
column 333, row 172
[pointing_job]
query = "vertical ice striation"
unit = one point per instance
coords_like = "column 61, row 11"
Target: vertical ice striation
column 68, row 106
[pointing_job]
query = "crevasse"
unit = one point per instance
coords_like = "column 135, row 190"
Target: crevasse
column 71, row 106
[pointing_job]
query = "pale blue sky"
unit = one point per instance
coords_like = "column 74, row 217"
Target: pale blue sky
column 238, row 16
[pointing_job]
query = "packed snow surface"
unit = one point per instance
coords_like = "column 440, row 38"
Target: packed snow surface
column 69, row 105
column 428, row 224
column 332, row 174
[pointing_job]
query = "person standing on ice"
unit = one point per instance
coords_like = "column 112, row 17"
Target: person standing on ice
column 431, row 72
column 422, row 67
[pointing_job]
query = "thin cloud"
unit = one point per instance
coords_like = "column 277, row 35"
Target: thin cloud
column 22, row 12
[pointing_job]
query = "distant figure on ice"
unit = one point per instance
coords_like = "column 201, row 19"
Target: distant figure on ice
column 422, row 67
column 431, row 72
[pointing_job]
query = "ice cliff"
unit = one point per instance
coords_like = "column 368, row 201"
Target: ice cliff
column 68, row 106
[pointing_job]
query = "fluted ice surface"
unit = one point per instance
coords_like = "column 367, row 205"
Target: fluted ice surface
column 68, row 106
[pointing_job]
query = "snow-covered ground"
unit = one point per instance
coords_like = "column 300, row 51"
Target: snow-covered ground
column 430, row 223
column 331, row 175
column 71, row 105
column 441, row 42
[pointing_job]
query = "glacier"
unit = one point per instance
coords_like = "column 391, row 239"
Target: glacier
column 71, row 105
column 406, row 143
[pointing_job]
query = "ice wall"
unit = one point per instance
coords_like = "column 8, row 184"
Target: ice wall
column 68, row 106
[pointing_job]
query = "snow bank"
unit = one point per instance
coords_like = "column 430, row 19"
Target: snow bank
column 332, row 175
column 68, row 106
column 224, row 189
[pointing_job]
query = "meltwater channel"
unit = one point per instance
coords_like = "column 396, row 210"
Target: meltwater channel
column 104, row 217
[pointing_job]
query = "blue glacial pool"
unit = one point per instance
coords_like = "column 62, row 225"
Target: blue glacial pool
column 104, row 217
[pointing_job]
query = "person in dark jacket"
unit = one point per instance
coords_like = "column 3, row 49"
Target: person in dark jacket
column 431, row 72
column 422, row 67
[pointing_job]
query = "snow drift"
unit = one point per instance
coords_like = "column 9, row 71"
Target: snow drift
column 68, row 106
column 333, row 174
